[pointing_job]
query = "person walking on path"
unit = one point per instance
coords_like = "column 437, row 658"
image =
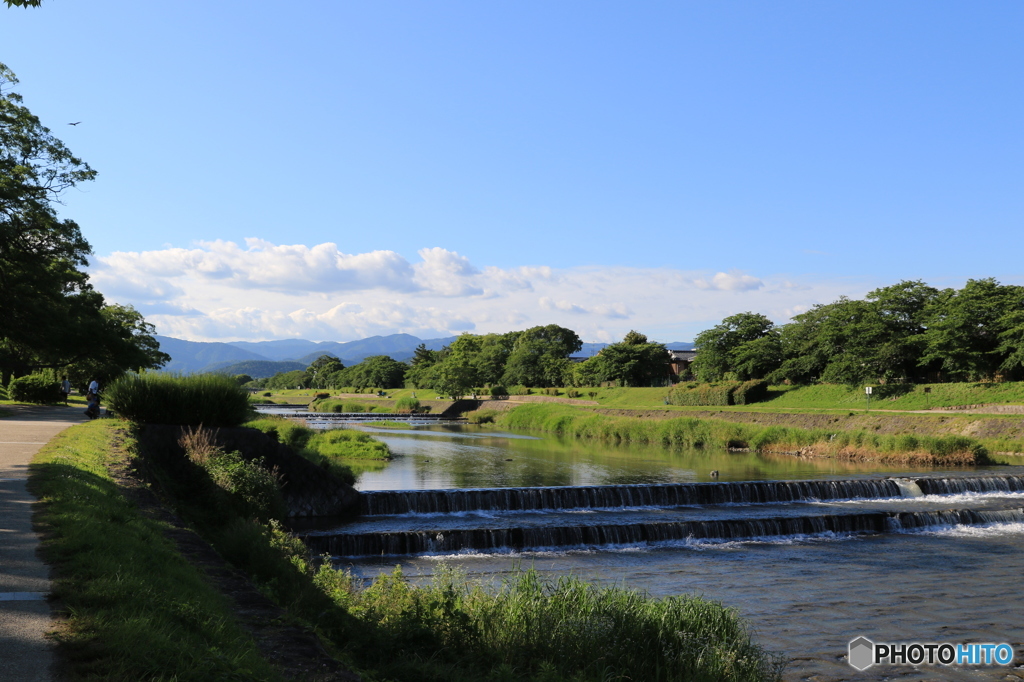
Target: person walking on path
column 25, row 617
column 65, row 389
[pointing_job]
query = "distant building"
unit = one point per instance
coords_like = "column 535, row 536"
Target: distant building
column 679, row 363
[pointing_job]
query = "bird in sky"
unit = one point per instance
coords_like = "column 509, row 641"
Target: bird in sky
column 75, row 123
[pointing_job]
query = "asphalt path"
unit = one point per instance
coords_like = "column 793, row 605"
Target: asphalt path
column 25, row 615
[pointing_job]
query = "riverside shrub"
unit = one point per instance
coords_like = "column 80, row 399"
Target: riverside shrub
column 34, row 389
column 345, row 444
column 719, row 394
column 209, row 399
column 703, row 395
column 748, row 392
column 407, row 404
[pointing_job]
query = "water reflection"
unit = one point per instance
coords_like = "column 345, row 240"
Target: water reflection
column 464, row 456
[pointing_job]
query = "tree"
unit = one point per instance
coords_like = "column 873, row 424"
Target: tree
column 51, row 315
column 286, row 380
column 635, row 362
column 835, row 343
column 736, row 345
column 23, row 3
column 379, row 371
column 540, row 356
column 421, row 368
column 903, row 309
column 120, row 340
column 319, row 372
column 970, row 332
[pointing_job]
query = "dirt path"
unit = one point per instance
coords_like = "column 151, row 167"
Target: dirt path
column 25, row 615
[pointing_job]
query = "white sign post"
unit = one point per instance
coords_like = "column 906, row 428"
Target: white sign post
column 867, row 392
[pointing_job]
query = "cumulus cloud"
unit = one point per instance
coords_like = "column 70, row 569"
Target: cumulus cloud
column 220, row 290
column 446, row 273
column 731, row 281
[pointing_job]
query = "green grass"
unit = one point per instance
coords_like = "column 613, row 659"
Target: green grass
column 529, row 628
column 898, row 397
column 828, row 397
column 346, row 444
column 482, row 416
column 297, row 437
column 388, row 424
column 330, row 443
column 135, row 608
column 339, row 405
column 160, row 398
column 702, row 433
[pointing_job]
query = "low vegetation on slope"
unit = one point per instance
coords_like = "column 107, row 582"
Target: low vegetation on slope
column 701, row 433
column 136, row 610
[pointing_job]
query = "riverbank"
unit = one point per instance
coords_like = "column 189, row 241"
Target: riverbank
column 135, row 608
column 814, row 436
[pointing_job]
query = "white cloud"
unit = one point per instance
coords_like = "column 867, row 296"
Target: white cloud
column 446, row 273
column 220, row 290
column 732, row 281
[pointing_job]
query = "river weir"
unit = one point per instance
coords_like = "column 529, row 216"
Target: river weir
column 517, row 519
column 811, row 553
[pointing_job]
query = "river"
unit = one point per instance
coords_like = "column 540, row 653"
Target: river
column 920, row 574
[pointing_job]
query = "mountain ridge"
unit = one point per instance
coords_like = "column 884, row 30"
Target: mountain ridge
column 210, row 356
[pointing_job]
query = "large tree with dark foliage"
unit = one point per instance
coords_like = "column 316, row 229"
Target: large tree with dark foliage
column 635, row 361
column 52, row 317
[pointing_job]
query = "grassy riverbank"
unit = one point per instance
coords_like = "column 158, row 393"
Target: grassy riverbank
column 133, row 608
column 700, row 433
column 137, row 610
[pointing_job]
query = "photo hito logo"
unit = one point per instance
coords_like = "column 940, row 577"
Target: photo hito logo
column 863, row 653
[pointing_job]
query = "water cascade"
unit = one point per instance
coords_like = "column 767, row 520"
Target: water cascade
column 908, row 487
column 389, row 502
column 580, row 536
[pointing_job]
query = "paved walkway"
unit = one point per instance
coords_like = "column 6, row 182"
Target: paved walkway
column 25, row 655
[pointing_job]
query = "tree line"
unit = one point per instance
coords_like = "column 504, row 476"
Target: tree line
column 538, row 357
column 53, row 320
column 905, row 333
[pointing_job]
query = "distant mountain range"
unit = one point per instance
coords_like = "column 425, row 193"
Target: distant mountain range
column 266, row 358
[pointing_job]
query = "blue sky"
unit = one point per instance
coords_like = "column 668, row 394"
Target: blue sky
column 331, row 170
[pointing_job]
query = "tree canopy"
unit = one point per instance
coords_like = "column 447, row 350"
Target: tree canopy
column 52, row 317
column 632, row 362
column 901, row 333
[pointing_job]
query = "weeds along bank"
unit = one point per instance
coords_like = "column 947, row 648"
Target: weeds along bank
column 717, row 433
column 137, row 610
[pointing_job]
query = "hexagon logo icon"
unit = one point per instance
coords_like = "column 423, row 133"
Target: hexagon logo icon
column 862, row 653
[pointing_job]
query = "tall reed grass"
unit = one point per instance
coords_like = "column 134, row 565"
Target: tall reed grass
column 704, row 433
column 158, row 398
column 530, row 628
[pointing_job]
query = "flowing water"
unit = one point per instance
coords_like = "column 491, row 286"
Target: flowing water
column 812, row 553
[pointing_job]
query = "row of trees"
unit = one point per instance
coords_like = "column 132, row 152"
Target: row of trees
column 52, row 317
column 906, row 332
column 536, row 357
